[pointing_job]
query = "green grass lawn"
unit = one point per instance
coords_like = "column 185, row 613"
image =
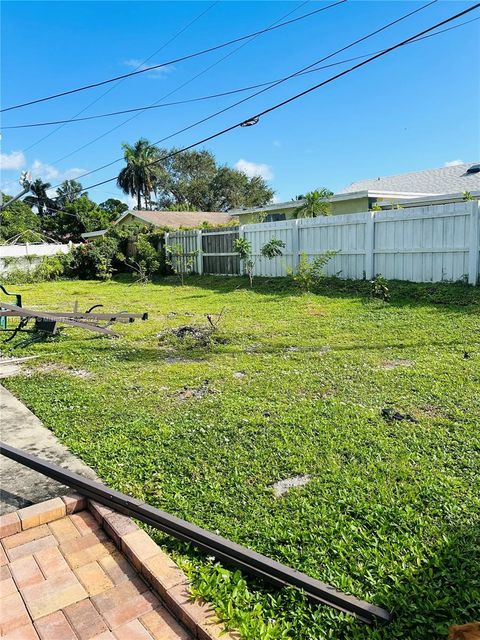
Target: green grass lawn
column 296, row 386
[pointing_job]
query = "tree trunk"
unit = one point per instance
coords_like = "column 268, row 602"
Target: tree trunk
column 139, row 202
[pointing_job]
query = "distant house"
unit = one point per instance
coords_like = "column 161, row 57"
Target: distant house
column 419, row 188
column 167, row 220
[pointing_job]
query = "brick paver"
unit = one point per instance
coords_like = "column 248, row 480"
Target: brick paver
column 65, row 580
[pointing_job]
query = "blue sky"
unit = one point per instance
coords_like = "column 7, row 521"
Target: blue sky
column 414, row 109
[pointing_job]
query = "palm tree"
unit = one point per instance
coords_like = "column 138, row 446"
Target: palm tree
column 40, row 197
column 69, row 191
column 138, row 177
column 316, row 203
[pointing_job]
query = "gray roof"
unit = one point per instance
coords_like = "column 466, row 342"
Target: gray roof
column 454, row 179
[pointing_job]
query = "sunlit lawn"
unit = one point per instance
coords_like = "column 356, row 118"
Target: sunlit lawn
column 296, row 385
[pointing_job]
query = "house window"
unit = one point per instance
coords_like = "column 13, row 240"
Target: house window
column 275, row 217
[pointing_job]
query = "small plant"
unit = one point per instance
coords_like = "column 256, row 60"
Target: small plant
column 310, row 272
column 376, row 207
column 379, row 288
column 181, row 262
column 270, row 249
column 273, row 248
column 244, row 249
column 466, row 195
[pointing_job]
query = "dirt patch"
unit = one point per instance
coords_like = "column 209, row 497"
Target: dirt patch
column 312, row 310
column 282, row 487
column 394, row 363
column 197, row 393
column 193, row 336
column 391, row 415
column 58, row 368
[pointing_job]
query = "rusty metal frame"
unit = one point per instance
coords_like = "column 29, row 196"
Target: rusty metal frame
column 225, row 550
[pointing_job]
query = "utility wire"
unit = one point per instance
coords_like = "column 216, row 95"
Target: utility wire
column 111, row 88
column 257, row 116
column 170, row 62
column 218, row 95
column 184, row 84
column 271, row 86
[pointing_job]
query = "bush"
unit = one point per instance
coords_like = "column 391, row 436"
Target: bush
column 310, row 272
column 93, row 261
column 146, row 261
column 379, row 288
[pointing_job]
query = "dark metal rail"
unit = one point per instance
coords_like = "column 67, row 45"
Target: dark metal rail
column 231, row 553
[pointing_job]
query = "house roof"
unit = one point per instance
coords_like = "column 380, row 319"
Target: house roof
column 455, row 179
column 177, row 219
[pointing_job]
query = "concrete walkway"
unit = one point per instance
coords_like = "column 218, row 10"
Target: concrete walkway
column 20, row 428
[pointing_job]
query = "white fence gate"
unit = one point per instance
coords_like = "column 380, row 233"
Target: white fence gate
column 420, row 244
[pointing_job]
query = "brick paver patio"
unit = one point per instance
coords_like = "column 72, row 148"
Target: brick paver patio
column 65, row 579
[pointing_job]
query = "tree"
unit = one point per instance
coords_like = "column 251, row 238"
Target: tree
column 68, row 191
column 138, row 178
column 317, row 203
column 76, row 218
column 271, row 249
column 18, row 219
column 193, row 180
column 40, row 198
column 113, row 208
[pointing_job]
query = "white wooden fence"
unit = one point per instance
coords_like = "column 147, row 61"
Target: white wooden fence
column 420, row 244
column 27, row 256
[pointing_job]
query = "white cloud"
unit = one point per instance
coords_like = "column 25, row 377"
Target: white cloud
column 253, row 169
column 49, row 172
column 130, row 201
column 138, row 65
column 14, row 160
column 453, row 163
column 10, row 188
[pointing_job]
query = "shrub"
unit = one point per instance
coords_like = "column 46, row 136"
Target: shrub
column 309, row 273
column 146, row 261
column 379, row 288
column 93, row 261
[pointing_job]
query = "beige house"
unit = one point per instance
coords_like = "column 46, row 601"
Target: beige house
column 168, row 220
column 420, row 188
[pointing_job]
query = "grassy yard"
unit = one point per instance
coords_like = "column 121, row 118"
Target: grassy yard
column 296, row 386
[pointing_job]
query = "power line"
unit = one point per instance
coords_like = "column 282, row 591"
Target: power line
column 257, row 116
column 184, row 84
column 170, row 62
column 216, row 95
column 304, row 69
column 111, row 88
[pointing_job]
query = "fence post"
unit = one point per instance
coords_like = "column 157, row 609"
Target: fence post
column 295, row 245
column 200, row 253
column 474, row 243
column 370, row 246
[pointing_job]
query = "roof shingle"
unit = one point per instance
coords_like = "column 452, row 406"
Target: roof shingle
column 454, row 179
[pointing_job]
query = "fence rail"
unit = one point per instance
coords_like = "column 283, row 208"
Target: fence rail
column 421, row 244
